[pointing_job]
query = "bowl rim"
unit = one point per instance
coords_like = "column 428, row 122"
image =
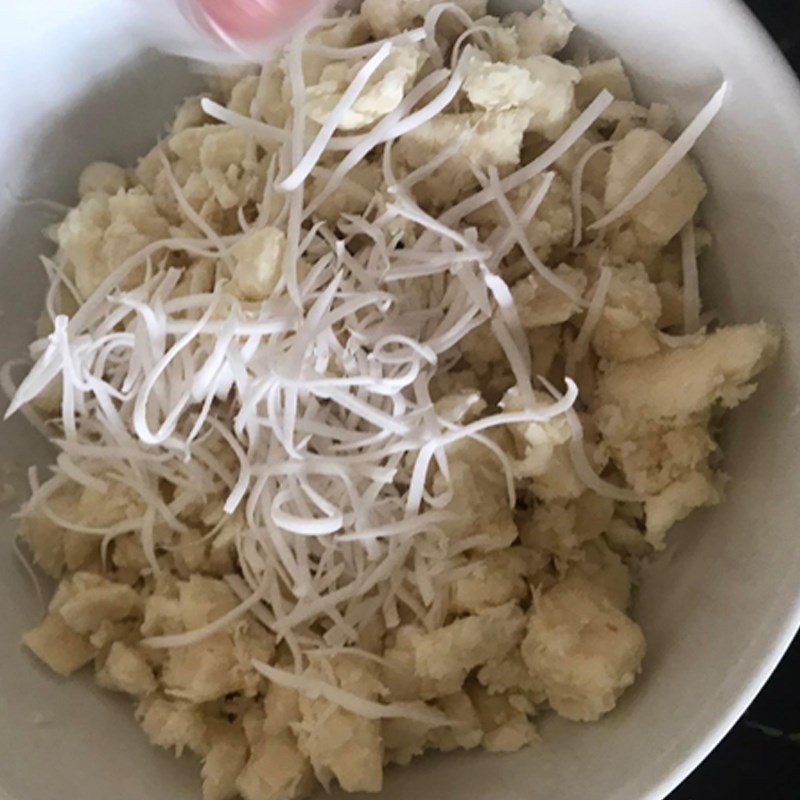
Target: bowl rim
column 786, row 87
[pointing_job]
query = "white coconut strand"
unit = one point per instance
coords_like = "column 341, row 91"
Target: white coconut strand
column 520, row 235
column 431, row 22
column 577, row 449
column 691, row 280
column 389, row 128
column 677, row 151
column 315, row 688
column 594, row 313
column 332, row 121
column 577, row 188
column 576, row 130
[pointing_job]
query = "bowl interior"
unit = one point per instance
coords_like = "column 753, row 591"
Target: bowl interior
column 718, row 610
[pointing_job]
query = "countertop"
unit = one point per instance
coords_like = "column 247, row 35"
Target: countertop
column 760, row 757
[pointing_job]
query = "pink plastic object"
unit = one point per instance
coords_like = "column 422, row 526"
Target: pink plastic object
column 247, row 27
column 252, row 20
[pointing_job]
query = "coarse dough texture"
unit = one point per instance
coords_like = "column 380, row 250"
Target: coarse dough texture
column 534, row 613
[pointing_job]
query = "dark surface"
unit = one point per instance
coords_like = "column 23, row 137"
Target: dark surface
column 760, row 757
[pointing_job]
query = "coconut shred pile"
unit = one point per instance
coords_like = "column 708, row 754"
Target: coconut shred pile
column 371, row 385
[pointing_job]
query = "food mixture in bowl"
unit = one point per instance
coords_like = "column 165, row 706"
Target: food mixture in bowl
column 372, row 385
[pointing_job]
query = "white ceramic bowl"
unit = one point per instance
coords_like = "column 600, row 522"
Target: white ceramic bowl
column 75, row 86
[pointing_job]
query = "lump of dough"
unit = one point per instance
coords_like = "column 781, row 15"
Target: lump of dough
column 540, row 84
column 340, row 744
column 544, row 32
column 103, row 231
column 276, row 770
column 540, row 303
column 102, row 177
column 606, row 74
column 488, row 139
column 673, row 387
column 490, row 580
column 504, row 720
column 627, row 327
column 585, row 651
column 85, row 600
column 459, row 647
column 388, row 17
column 172, row 724
column 480, row 497
column 258, row 263
column 125, row 669
column 58, row 645
column 383, row 93
column 673, row 203
column 224, row 762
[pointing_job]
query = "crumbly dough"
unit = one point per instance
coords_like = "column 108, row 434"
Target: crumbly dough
column 538, row 615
